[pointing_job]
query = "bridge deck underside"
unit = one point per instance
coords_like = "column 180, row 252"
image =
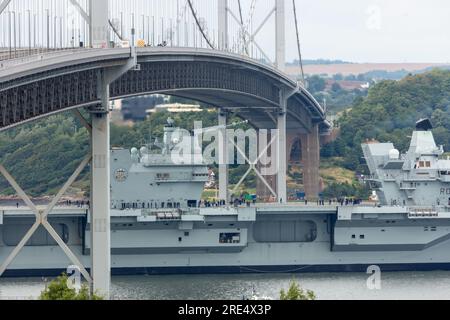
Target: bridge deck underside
column 251, row 93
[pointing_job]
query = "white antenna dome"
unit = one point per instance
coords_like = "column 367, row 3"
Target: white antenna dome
column 394, row 154
column 144, row 150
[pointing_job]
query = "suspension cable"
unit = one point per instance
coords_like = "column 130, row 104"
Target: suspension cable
column 117, row 32
column 240, row 12
column 199, row 25
column 298, row 42
column 244, row 38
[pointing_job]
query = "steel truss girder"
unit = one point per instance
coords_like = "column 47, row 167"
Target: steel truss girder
column 164, row 76
column 34, row 97
column 41, row 218
column 252, row 166
column 47, row 96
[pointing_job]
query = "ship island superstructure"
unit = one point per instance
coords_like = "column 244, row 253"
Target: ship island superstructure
column 159, row 226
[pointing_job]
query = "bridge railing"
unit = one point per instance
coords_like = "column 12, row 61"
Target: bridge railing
column 10, row 54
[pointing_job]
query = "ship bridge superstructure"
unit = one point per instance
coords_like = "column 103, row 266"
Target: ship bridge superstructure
column 420, row 177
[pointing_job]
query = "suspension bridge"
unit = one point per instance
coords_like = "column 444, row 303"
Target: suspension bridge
column 70, row 54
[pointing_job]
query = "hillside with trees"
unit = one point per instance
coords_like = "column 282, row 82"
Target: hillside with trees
column 44, row 153
column 389, row 113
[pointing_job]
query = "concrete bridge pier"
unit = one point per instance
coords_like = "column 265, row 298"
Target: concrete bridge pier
column 308, row 159
column 281, row 156
column 100, row 196
column 311, row 163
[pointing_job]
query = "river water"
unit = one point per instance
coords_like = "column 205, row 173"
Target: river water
column 327, row 286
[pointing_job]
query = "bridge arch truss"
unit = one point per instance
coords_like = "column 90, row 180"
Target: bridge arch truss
column 38, row 88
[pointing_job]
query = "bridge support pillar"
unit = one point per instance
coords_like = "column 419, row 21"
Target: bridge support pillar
column 311, row 160
column 281, row 155
column 223, row 157
column 100, row 197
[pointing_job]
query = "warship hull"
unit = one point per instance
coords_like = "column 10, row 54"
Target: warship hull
column 279, row 239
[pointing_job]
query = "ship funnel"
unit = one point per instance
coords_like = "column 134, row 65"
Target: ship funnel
column 422, row 141
column 424, row 125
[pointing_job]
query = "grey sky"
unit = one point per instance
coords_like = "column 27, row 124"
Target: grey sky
column 367, row 31
column 352, row 30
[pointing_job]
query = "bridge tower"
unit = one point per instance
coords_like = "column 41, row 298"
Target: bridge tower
column 223, row 24
column 99, row 23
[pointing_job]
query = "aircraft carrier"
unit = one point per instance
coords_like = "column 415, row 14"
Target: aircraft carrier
column 159, row 225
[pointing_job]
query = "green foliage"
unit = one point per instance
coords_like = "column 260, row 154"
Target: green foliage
column 43, row 154
column 59, row 290
column 336, row 87
column 316, row 84
column 338, row 99
column 296, row 293
column 342, row 190
column 389, row 113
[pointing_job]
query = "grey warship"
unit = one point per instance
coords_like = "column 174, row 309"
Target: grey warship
column 158, row 226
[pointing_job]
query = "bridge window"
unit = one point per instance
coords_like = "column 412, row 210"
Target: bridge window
column 163, row 176
column 424, row 164
column 192, row 203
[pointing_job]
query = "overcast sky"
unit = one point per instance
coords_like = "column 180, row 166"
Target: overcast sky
column 351, row 30
column 367, row 30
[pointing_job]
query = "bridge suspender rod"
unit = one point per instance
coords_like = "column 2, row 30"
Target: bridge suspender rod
column 202, row 31
column 300, row 60
column 83, row 121
column 244, row 37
